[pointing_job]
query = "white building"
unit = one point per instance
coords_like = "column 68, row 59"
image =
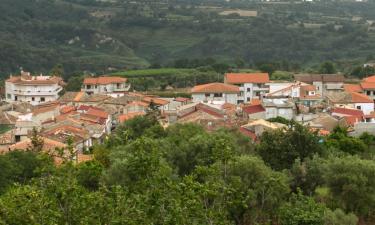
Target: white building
column 279, row 107
column 32, row 89
column 112, row 86
column 215, row 92
column 351, row 100
column 252, row 85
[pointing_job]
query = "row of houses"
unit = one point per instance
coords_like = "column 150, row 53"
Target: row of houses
column 87, row 117
column 322, row 101
column 244, row 101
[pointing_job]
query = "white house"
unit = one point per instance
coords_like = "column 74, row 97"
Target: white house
column 351, row 100
column 215, row 92
column 32, row 89
column 112, row 86
column 252, row 85
column 279, row 107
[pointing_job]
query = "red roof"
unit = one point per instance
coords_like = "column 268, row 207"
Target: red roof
column 351, row 120
column 368, row 85
column 353, row 88
column 240, row 78
column 104, row 80
column 350, row 112
column 360, row 98
column 67, row 109
column 255, row 101
column 248, row 133
column 124, row 117
column 181, row 99
column 215, row 88
column 98, row 113
column 253, row 109
column 370, row 79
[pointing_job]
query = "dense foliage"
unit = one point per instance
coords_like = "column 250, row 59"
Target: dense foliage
column 103, row 36
column 144, row 174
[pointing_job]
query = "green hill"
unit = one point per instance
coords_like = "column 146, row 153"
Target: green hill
column 99, row 37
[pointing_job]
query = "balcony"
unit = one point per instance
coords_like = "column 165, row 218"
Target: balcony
column 37, row 93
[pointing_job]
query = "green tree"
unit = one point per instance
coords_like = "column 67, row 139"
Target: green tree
column 302, row 210
column 280, row 148
column 89, row 173
column 340, row 140
column 57, row 70
column 351, row 183
column 327, row 68
column 255, row 191
column 338, row 217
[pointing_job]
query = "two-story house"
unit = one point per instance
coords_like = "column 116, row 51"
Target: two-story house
column 367, row 86
column 112, row 86
column 324, row 83
column 215, row 92
column 32, row 89
column 252, row 85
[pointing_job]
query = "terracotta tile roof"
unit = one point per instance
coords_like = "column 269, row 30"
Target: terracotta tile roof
column 351, row 120
column 98, row 113
column 370, row 79
column 215, row 88
column 253, row 109
column 40, row 110
column 34, row 80
column 255, row 101
column 361, row 98
column 180, row 99
column 240, row 78
column 368, row 85
column 67, row 109
column 157, row 101
column 346, row 111
column 353, row 88
column 104, row 80
column 308, row 88
column 78, row 97
column 349, row 97
column 124, row 117
column 309, row 78
column 248, row 133
column 137, row 103
column 48, row 144
column 87, row 107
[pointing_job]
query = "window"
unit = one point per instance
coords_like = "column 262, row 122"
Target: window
column 42, row 99
column 15, row 98
column 32, row 99
column 358, row 107
column 248, row 99
column 96, row 86
column 9, row 96
column 207, row 94
column 218, row 95
column 88, row 86
column 239, row 101
column 373, row 93
column 248, row 89
column 118, row 85
column 368, row 92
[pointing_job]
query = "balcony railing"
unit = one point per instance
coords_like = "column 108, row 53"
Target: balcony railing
column 37, row 92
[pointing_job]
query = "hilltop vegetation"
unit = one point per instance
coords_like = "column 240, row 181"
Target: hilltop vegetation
column 101, row 37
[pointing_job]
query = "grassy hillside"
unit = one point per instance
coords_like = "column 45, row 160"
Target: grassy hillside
column 98, row 37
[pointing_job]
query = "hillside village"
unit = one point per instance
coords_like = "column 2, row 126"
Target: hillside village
column 249, row 102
